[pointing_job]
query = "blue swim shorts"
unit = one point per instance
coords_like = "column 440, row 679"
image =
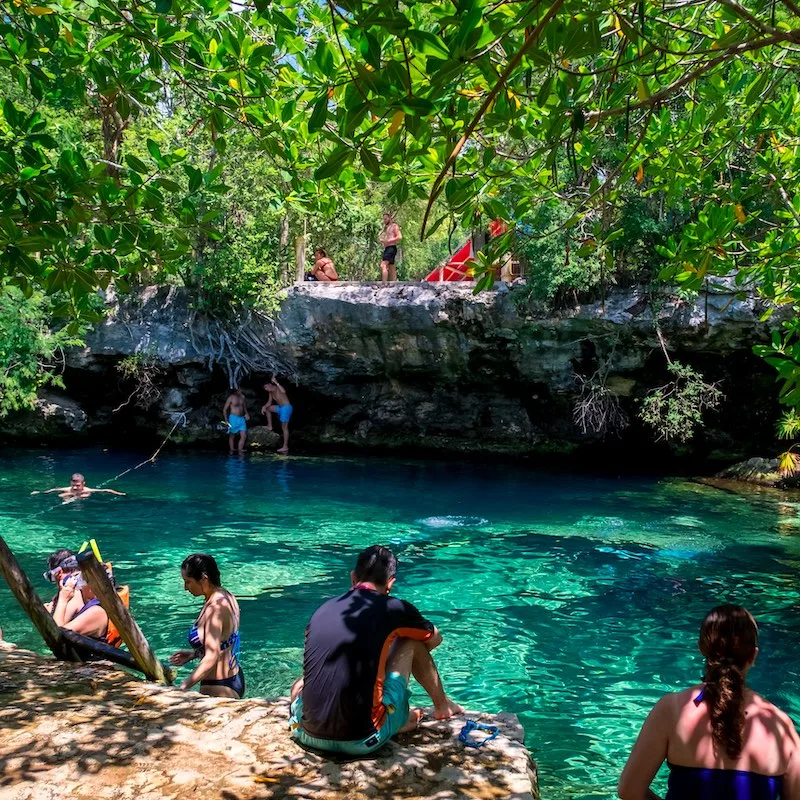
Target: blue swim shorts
column 285, row 413
column 236, row 424
column 396, row 699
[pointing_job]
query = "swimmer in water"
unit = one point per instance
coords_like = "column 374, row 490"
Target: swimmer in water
column 78, row 490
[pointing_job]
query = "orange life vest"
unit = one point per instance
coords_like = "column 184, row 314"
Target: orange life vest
column 112, row 634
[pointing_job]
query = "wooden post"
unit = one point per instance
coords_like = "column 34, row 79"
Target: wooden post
column 26, row 595
column 300, row 257
column 95, row 574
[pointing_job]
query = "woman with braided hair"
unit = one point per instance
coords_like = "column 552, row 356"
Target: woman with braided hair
column 720, row 739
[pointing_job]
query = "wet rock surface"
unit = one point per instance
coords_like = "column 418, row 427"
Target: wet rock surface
column 754, row 474
column 91, row 731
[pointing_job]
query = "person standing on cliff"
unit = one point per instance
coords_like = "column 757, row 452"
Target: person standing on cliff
column 278, row 403
column 390, row 237
column 236, row 416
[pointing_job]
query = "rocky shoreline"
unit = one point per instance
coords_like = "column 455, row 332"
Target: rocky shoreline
column 92, row 731
column 415, row 367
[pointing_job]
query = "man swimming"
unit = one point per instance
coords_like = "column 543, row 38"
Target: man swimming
column 360, row 650
column 235, row 413
column 78, row 490
column 278, row 403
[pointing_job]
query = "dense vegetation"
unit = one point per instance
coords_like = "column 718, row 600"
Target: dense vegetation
column 193, row 140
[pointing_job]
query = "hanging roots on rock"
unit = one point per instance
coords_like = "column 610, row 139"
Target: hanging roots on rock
column 597, row 409
column 241, row 348
column 144, row 370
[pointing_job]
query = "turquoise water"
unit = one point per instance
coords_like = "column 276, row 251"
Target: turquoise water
column 572, row 601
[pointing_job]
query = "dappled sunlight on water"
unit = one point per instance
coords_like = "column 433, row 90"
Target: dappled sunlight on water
column 572, row 601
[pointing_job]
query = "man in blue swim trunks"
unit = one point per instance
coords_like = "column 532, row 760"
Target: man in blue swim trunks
column 360, row 650
column 235, row 413
column 278, row 403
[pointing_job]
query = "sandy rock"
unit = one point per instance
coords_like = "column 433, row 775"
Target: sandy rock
column 85, row 732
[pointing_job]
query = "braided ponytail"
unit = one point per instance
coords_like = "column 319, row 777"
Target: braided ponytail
column 728, row 640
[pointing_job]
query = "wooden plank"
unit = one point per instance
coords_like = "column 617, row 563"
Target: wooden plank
column 32, row 605
column 95, row 575
column 300, row 258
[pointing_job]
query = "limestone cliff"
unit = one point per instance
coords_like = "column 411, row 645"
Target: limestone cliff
column 425, row 366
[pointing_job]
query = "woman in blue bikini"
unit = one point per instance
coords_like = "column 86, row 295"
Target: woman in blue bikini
column 720, row 739
column 214, row 637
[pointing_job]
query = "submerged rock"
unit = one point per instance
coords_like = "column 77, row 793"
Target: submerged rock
column 92, row 731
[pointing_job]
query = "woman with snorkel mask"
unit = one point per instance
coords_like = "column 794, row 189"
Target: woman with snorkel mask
column 75, row 607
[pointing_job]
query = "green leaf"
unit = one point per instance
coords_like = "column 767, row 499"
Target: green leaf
column 370, row 49
column 136, row 164
column 179, row 36
column 154, row 151
column 756, row 88
column 333, row 165
column 323, row 57
column 370, row 162
column 428, row 44
column 107, row 41
column 319, row 114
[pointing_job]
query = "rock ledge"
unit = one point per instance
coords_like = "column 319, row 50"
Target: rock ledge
column 92, row 731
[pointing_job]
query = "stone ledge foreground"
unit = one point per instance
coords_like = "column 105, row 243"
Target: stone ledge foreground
column 92, row 731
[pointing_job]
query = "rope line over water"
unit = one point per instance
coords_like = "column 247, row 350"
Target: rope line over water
column 180, row 419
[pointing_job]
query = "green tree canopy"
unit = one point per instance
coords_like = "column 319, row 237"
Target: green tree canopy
column 480, row 108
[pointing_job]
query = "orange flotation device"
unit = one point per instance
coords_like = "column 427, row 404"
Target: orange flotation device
column 112, row 634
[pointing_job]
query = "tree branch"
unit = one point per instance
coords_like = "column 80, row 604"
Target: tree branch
column 530, row 40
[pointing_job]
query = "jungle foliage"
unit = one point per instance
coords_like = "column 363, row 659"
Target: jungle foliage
column 606, row 132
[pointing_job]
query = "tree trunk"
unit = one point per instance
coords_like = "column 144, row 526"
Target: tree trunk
column 113, row 130
column 286, row 275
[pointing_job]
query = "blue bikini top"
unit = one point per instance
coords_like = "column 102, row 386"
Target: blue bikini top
column 232, row 643
column 699, row 783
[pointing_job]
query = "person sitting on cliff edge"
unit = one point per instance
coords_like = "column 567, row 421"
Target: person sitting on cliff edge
column 278, row 403
column 324, row 270
column 77, row 490
column 360, row 650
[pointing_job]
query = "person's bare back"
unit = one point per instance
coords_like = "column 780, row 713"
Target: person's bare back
column 768, row 735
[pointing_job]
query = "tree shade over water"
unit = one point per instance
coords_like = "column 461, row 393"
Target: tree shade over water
column 573, row 601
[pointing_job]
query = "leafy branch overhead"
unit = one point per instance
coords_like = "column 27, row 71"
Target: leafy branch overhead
column 481, row 109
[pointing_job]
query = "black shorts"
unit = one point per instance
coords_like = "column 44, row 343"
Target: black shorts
column 389, row 254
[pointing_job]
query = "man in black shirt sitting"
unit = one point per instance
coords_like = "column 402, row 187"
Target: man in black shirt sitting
column 360, row 650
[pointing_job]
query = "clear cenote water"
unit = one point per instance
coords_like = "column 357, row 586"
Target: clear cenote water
column 572, row 601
